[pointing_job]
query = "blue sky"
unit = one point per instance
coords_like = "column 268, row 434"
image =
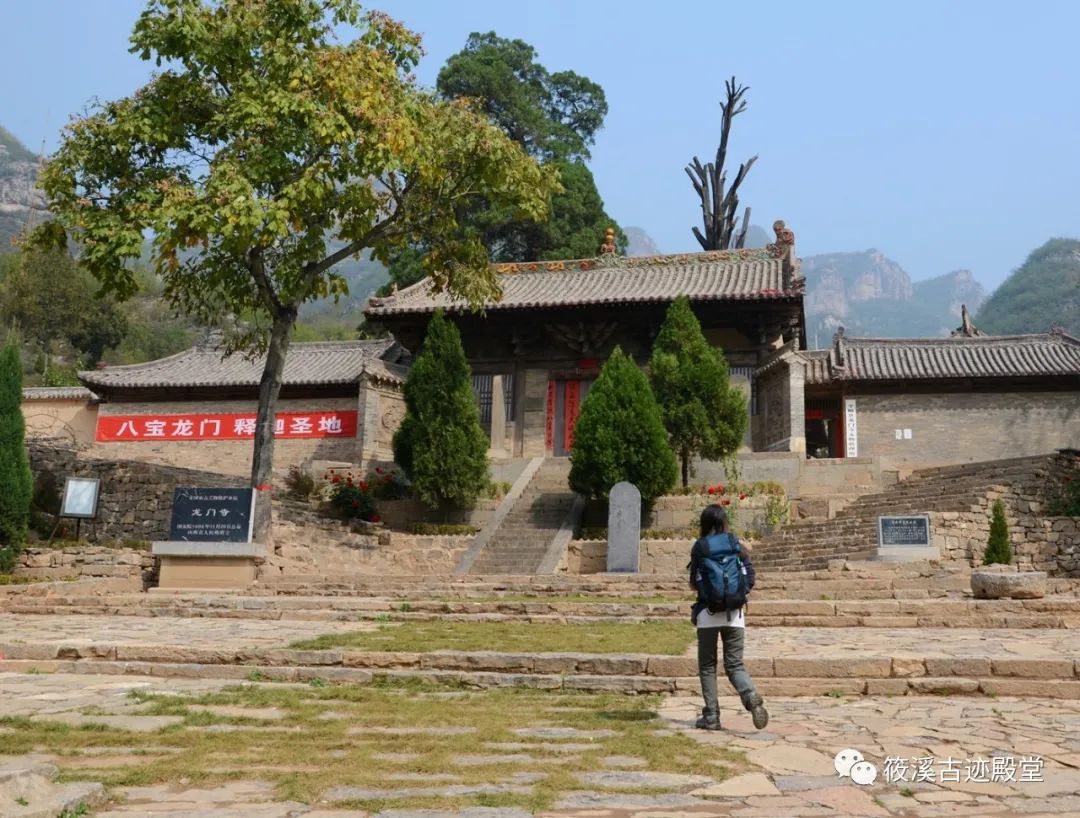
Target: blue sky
column 942, row 133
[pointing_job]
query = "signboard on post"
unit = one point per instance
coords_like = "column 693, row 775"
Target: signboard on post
column 80, row 498
column 212, row 515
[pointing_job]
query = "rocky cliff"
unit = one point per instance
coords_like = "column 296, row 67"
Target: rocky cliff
column 20, row 201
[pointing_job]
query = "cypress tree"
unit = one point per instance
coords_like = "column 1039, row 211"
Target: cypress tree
column 997, row 546
column 619, row 435
column 703, row 414
column 441, row 445
column 16, row 482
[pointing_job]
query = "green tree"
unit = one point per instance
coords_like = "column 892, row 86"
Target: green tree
column 620, row 435
column 440, row 443
column 15, row 477
column 998, row 549
column 53, row 300
column 555, row 118
column 704, row 415
column 265, row 152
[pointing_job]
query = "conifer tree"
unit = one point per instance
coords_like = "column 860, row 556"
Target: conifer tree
column 703, row 414
column 619, row 435
column 440, row 444
column 997, row 546
column 16, row 482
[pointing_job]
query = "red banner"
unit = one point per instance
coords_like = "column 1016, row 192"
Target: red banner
column 549, row 424
column 202, row 426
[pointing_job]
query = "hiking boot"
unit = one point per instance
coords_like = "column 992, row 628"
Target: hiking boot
column 710, row 720
column 757, row 711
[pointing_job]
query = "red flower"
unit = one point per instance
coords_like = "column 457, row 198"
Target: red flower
column 742, row 496
column 363, row 485
column 726, row 502
column 356, row 504
column 375, row 518
column 712, row 490
column 336, row 480
column 378, row 470
column 348, row 480
column 386, row 478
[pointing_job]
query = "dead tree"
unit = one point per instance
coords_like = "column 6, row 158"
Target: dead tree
column 719, row 205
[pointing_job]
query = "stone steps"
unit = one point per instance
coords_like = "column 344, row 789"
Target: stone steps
column 28, row 789
column 786, row 675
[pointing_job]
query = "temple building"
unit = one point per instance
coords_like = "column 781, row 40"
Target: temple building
column 903, row 402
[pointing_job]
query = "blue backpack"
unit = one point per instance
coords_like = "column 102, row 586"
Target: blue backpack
column 720, row 579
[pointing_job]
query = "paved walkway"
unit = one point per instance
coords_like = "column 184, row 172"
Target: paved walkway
column 238, row 633
column 793, row 760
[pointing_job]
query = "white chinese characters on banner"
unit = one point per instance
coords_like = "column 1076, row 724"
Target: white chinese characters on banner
column 205, row 426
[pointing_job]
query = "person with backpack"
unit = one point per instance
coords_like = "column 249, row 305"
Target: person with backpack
column 723, row 575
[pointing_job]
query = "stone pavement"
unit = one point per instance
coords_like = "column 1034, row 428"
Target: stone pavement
column 791, row 773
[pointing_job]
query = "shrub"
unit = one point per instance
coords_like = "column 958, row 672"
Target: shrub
column 16, row 482
column 351, row 498
column 997, row 546
column 1066, row 501
column 444, row 529
column 703, row 414
column 300, row 483
column 440, row 444
column 620, row 435
column 388, row 483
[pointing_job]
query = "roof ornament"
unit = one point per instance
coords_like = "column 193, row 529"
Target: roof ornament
column 838, row 347
column 966, row 329
column 608, row 247
column 1057, row 329
column 785, row 240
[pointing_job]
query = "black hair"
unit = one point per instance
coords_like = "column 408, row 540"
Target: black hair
column 714, row 520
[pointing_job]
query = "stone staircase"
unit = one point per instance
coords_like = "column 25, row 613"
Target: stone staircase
column 852, row 534
column 522, row 540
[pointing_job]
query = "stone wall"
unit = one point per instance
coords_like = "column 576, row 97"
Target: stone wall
column 135, row 500
column 90, row 561
column 230, row 456
column 399, row 514
column 684, row 512
column 382, row 408
column 661, row 557
column 73, row 420
column 955, row 427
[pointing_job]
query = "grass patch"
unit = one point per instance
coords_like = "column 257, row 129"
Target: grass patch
column 339, row 736
column 666, row 638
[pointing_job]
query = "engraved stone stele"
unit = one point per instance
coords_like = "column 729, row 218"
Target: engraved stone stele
column 624, row 528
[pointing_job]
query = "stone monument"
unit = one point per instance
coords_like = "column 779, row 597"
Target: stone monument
column 209, row 543
column 624, row 528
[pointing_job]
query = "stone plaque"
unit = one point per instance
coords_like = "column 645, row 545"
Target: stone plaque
column 624, row 528
column 211, row 515
column 904, row 531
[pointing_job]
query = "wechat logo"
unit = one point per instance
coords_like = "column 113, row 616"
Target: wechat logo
column 851, row 764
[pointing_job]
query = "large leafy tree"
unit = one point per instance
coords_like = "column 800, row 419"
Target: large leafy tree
column 14, row 466
column 267, row 151
column 440, row 443
column 619, row 435
column 53, row 300
column 703, row 414
column 555, row 118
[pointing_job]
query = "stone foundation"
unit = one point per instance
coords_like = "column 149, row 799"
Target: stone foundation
column 89, row 561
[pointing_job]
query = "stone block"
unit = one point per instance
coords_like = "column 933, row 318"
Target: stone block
column 810, row 687
column 612, row 665
column 1039, row 688
column 379, row 659
column 986, row 584
column 1034, row 668
column 943, row 685
column 905, row 667
column 477, row 660
column 671, row 666
column 957, row 667
column 840, row 668
column 886, row 687
column 555, row 663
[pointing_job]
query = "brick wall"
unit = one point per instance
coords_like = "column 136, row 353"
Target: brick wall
column 954, row 427
column 229, row 456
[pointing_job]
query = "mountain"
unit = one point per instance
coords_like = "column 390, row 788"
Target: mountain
column 640, row 243
column 1043, row 291
column 20, row 201
column 871, row 295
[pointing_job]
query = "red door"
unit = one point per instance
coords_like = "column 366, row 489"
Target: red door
column 563, row 407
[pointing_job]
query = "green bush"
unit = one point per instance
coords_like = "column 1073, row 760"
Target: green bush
column 1065, row 502
column 351, row 498
column 443, row 529
column 703, row 414
column 440, row 444
column 300, row 483
column 998, row 549
column 16, row 482
column 620, row 435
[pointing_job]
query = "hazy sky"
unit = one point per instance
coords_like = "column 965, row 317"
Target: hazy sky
column 943, row 133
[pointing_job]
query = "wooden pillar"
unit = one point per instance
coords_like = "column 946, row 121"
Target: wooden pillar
column 498, row 416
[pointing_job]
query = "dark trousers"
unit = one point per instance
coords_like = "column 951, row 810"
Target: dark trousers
column 733, row 640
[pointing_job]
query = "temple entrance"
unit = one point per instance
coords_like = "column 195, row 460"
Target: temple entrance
column 563, row 406
column 824, row 429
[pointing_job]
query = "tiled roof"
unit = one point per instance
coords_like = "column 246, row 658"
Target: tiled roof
column 716, row 275
column 316, row 363
column 984, row 356
column 57, row 393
